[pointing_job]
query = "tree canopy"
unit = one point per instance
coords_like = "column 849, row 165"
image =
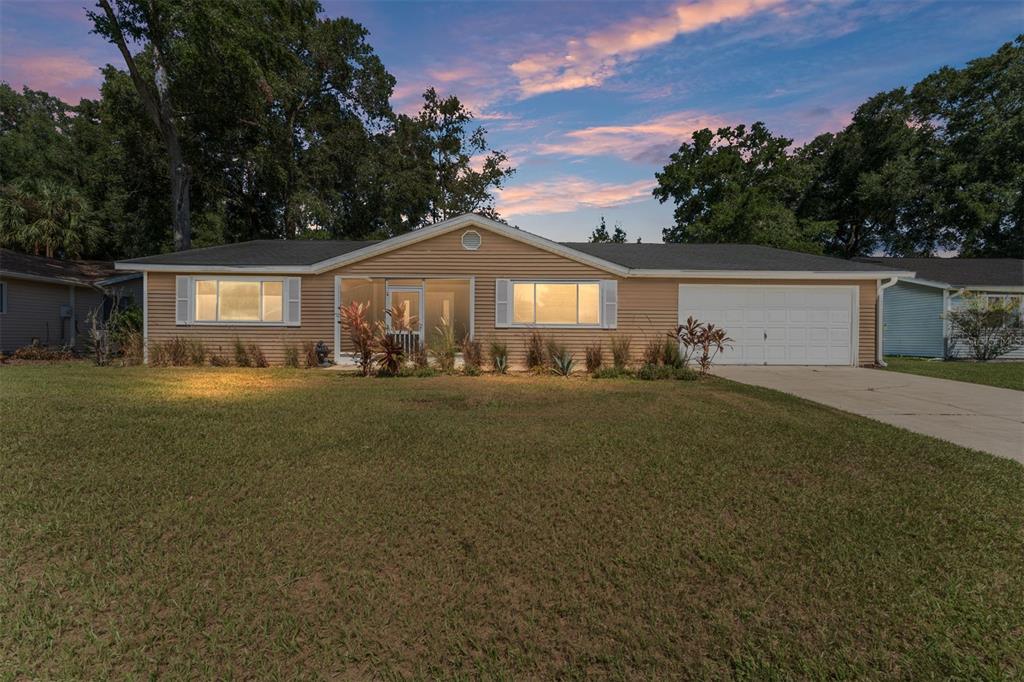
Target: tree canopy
column 938, row 167
column 232, row 121
column 600, row 234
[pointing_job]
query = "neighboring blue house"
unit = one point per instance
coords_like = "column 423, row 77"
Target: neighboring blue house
column 913, row 309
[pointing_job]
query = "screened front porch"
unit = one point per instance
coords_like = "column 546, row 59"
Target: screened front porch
column 424, row 306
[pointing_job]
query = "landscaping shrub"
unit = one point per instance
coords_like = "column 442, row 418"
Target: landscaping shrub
column 309, row 354
column 552, row 350
column 499, row 357
column 242, row 358
column 195, row 350
column 670, row 356
column 291, row 356
column 257, row 356
column 355, row 324
column 389, row 359
column 177, row 352
column 218, row 359
column 419, row 357
column 132, row 348
column 535, row 352
column 562, row 362
column 620, row 350
column 472, row 356
column 613, row 373
column 36, row 351
column 653, row 351
column 594, row 358
column 701, row 339
column 989, row 328
column 443, row 346
column 418, row 371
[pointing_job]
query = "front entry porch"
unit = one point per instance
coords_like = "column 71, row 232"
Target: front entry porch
column 426, row 308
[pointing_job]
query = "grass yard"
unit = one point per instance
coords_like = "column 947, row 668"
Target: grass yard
column 273, row 523
column 1001, row 374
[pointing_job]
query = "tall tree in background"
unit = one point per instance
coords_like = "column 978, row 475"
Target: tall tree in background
column 737, row 184
column 600, row 234
column 47, row 218
column 199, row 69
column 977, row 113
column 940, row 167
column 871, row 180
column 455, row 145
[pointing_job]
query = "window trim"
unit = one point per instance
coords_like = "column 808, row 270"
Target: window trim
column 555, row 325
column 3, row 298
column 194, row 302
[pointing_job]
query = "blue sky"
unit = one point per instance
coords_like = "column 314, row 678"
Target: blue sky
column 590, row 98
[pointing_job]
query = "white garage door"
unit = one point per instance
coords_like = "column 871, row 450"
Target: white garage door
column 780, row 325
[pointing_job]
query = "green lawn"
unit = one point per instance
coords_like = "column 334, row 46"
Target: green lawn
column 1001, row 374
column 274, row 523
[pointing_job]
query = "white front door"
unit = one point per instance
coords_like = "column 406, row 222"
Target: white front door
column 408, row 300
column 777, row 325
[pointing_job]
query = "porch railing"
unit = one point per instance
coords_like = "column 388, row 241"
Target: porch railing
column 409, row 340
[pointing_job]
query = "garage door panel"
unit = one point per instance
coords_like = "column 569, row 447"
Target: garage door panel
column 776, row 325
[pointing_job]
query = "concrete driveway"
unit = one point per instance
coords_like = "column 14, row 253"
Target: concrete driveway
column 980, row 417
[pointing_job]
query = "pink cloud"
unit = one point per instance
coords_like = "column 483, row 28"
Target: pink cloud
column 569, row 193
column 651, row 140
column 67, row 76
column 592, row 59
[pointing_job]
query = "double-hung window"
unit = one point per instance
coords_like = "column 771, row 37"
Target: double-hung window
column 556, row 303
column 238, row 300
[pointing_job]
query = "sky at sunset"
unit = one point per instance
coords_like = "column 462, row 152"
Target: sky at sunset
column 590, row 98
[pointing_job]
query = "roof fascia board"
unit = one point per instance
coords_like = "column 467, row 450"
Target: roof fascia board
column 250, row 269
column 7, row 274
column 469, row 220
column 766, row 274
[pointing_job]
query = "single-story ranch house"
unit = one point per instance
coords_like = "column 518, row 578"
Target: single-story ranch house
column 48, row 301
column 498, row 283
column 914, row 319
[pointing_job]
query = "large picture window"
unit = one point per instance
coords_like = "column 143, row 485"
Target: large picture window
column 556, row 303
column 234, row 300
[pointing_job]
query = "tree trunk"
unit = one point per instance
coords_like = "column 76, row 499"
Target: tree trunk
column 157, row 102
column 181, row 185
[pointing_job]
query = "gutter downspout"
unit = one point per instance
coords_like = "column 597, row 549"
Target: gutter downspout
column 880, row 321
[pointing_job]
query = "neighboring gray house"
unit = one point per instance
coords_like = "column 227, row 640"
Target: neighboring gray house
column 48, row 301
column 913, row 309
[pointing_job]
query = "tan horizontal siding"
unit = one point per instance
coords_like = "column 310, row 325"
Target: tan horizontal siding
column 648, row 308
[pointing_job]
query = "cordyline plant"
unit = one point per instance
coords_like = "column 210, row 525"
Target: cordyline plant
column 988, row 327
column 391, row 351
column 700, row 340
column 360, row 333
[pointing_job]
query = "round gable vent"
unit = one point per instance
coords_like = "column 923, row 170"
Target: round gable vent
column 471, row 240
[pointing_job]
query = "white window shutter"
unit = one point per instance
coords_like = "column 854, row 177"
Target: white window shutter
column 182, row 299
column 502, row 302
column 293, row 298
column 609, row 303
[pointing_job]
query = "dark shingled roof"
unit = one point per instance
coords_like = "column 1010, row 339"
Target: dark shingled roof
column 295, row 252
column 718, row 257
column 73, row 272
column 960, row 272
column 269, row 252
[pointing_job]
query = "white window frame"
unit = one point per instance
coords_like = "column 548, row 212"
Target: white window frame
column 555, row 325
column 194, row 301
